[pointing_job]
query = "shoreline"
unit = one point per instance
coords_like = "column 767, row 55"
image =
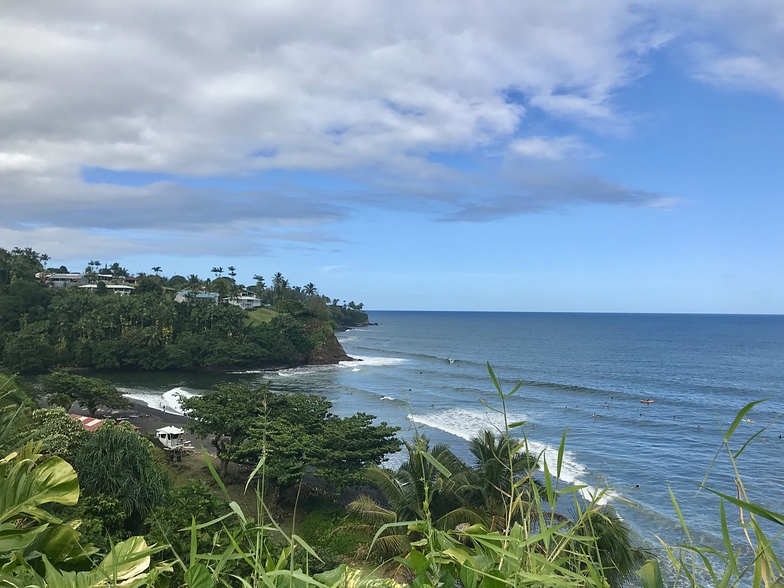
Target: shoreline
column 146, row 419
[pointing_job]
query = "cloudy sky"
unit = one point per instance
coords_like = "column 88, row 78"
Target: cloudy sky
column 465, row 155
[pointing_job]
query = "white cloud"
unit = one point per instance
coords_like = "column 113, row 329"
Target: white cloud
column 549, row 148
column 19, row 162
column 197, row 89
column 231, row 89
column 740, row 45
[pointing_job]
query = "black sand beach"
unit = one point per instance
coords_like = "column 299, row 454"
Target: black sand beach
column 147, row 419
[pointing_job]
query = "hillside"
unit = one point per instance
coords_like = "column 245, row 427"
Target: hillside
column 149, row 322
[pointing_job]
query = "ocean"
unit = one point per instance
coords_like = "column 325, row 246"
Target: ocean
column 583, row 373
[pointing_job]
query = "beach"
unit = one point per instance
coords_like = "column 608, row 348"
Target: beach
column 147, row 420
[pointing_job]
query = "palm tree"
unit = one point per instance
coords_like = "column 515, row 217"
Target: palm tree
column 277, row 285
column 310, row 289
column 418, row 490
column 613, row 548
column 193, row 282
column 157, row 269
column 118, row 271
column 500, row 464
column 259, row 285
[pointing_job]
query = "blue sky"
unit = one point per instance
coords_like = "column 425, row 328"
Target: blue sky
column 612, row 157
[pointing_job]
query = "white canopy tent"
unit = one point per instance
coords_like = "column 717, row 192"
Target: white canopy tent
column 171, row 437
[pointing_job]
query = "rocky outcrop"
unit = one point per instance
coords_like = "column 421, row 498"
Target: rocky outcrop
column 330, row 351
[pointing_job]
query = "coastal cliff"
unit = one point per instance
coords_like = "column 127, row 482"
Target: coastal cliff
column 330, row 351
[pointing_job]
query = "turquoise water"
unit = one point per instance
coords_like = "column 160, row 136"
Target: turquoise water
column 585, row 373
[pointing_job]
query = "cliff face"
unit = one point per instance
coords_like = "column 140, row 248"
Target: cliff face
column 328, row 352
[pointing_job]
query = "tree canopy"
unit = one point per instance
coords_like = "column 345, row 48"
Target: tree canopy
column 63, row 388
column 295, row 433
column 42, row 328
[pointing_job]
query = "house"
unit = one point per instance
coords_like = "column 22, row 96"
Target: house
column 245, row 302
column 88, row 423
column 195, row 296
column 118, row 289
column 64, row 280
column 171, row 437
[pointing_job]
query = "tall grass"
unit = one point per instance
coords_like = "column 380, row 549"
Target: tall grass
column 753, row 562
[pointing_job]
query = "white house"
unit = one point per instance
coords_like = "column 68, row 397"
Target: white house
column 118, row 289
column 245, row 302
column 171, row 437
column 63, row 280
column 193, row 295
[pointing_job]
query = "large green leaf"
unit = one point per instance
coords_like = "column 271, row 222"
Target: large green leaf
column 127, row 564
column 13, row 539
column 128, row 559
column 25, row 487
column 650, row 574
column 62, row 545
column 198, row 576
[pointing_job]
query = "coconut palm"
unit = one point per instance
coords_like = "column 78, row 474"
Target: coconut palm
column 497, row 467
column 277, row 285
column 613, row 548
column 499, row 464
column 418, row 490
column 193, row 281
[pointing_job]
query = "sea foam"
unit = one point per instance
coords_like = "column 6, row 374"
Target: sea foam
column 360, row 361
column 169, row 401
column 467, row 423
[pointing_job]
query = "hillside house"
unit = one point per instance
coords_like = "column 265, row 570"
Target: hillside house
column 195, row 296
column 245, row 302
column 65, row 280
column 118, row 289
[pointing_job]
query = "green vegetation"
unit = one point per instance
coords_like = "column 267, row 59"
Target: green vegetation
column 63, row 389
column 44, row 328
column 118, row 463
column 203, row 539
column 291, row 432
column 261, row 315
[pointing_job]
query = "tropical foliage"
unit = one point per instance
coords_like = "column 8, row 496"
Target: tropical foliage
column 59, row 433
column 498, row 496
column 39, row 549
column 293, row 432
column 43, row 328
column 63, row 389
column 118, row 462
